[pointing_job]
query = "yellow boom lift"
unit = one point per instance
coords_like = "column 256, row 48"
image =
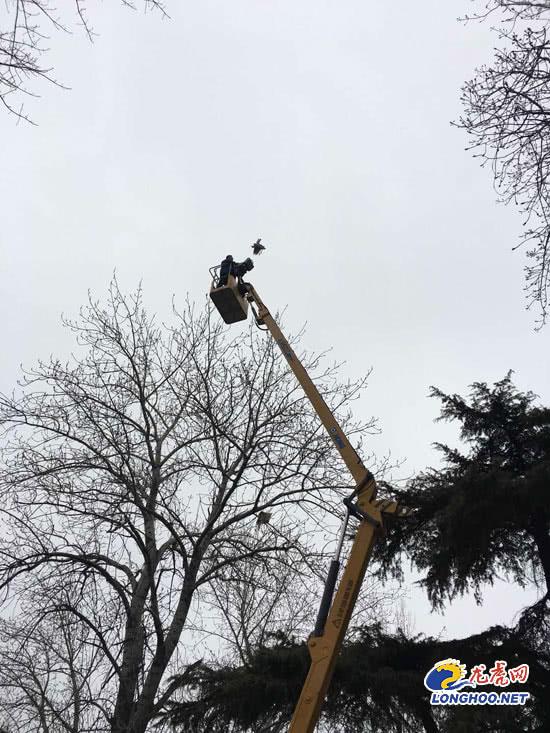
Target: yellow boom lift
column 232, row 296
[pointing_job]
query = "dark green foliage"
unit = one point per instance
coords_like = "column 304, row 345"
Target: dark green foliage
column 377, row 683
column 377, row 687
column 515, row 647
column 239, row 698
column 486, row 514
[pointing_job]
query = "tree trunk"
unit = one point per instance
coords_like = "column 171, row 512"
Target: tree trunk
column 539, row 532
column 144, row 706
column 129, row 676
column 426, row 716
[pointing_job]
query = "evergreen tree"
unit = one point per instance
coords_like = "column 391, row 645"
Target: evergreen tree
column 378, row 687
column 486, row 513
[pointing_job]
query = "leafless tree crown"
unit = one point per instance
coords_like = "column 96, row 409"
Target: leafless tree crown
column 510, row 10
column 131, row 481
column 506, row 112
column 24, row 39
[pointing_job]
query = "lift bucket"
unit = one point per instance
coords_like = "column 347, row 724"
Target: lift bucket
column 230, row 303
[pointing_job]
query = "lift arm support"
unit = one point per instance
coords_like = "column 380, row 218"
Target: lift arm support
column 349, row 455
column 334, row 617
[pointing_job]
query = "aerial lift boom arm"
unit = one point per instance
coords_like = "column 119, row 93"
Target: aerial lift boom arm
column 348, row 453
column 232, row 299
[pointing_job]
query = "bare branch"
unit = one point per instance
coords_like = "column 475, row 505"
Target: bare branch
column 131, row 478
column 507, row 114
column 23, row 45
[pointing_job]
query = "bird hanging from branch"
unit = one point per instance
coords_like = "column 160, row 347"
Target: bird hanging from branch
column 263, row 518
column 258, row 247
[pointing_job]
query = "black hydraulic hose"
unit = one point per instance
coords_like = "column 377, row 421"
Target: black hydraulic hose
column 326, row 600
column 330, row 582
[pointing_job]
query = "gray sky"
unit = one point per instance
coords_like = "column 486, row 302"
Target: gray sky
column 322, row 127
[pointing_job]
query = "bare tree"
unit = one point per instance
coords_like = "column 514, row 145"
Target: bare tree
column 131, row 481
column 258, row 604
column 511, row 10
column 47, row 673
column 255, row 601
column 23, row 38
column 507, row 112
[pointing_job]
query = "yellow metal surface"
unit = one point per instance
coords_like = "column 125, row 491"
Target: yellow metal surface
column 324, row 649
column 347, row 451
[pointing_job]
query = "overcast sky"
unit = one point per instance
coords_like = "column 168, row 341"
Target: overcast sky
column 322, row 127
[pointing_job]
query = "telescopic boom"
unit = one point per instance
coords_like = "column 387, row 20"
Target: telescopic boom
column 231, row 296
